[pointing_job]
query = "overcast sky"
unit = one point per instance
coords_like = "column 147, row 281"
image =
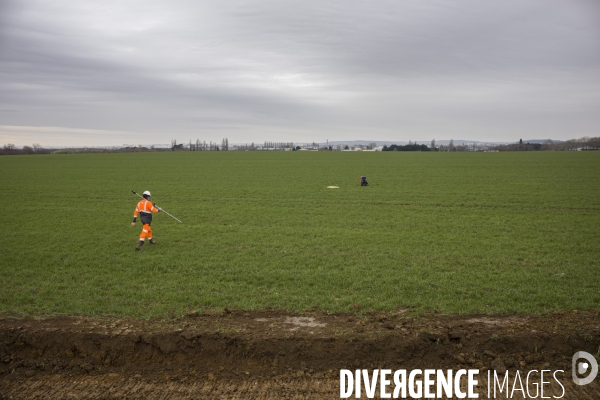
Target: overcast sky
column 77, row 72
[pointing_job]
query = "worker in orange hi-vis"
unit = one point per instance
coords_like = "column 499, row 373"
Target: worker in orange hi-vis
column 145, row 209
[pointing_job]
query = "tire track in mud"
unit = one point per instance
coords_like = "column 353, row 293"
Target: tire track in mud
column 99, row 387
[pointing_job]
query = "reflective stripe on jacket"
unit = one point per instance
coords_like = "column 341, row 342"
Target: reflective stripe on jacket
column 145, row 208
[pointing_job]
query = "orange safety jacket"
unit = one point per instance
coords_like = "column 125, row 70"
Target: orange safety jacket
column 145, row 209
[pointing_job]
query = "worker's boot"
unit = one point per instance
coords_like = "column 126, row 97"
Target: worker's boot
column 140, row 244
column 152, row 241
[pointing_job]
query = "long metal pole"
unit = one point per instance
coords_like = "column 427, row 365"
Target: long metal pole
column 134, row 192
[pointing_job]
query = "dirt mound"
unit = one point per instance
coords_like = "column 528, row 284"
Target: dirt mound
column 272, row 354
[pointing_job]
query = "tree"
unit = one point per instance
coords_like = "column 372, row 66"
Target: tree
column 594, row 143
column 408, row 147
column 451, row 145
column 9, row 146
column 37, row 147
column 549, row 145
column 432, row 144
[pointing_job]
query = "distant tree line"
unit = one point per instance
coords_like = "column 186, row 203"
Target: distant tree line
column 407, row 147
column 200, row 145
column 584, row 143
column 10, row 149
column 35, row 148
column 278, row 145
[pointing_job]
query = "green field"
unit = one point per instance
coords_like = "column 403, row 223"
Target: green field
column 456, row 232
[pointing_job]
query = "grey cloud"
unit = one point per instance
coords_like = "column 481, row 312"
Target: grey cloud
column 252, row 69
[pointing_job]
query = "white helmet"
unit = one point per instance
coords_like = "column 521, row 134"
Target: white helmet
column 147, row 193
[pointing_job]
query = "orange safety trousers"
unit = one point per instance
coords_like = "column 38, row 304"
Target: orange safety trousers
column 146, row 232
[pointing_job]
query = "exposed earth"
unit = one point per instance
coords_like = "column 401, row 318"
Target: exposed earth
column 277, row 354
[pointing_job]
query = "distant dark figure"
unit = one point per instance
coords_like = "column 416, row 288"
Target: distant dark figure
column 363, row 181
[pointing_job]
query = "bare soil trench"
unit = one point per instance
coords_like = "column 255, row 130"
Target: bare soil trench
column 276, row 354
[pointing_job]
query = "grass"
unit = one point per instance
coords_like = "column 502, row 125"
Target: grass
column 458, row 232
